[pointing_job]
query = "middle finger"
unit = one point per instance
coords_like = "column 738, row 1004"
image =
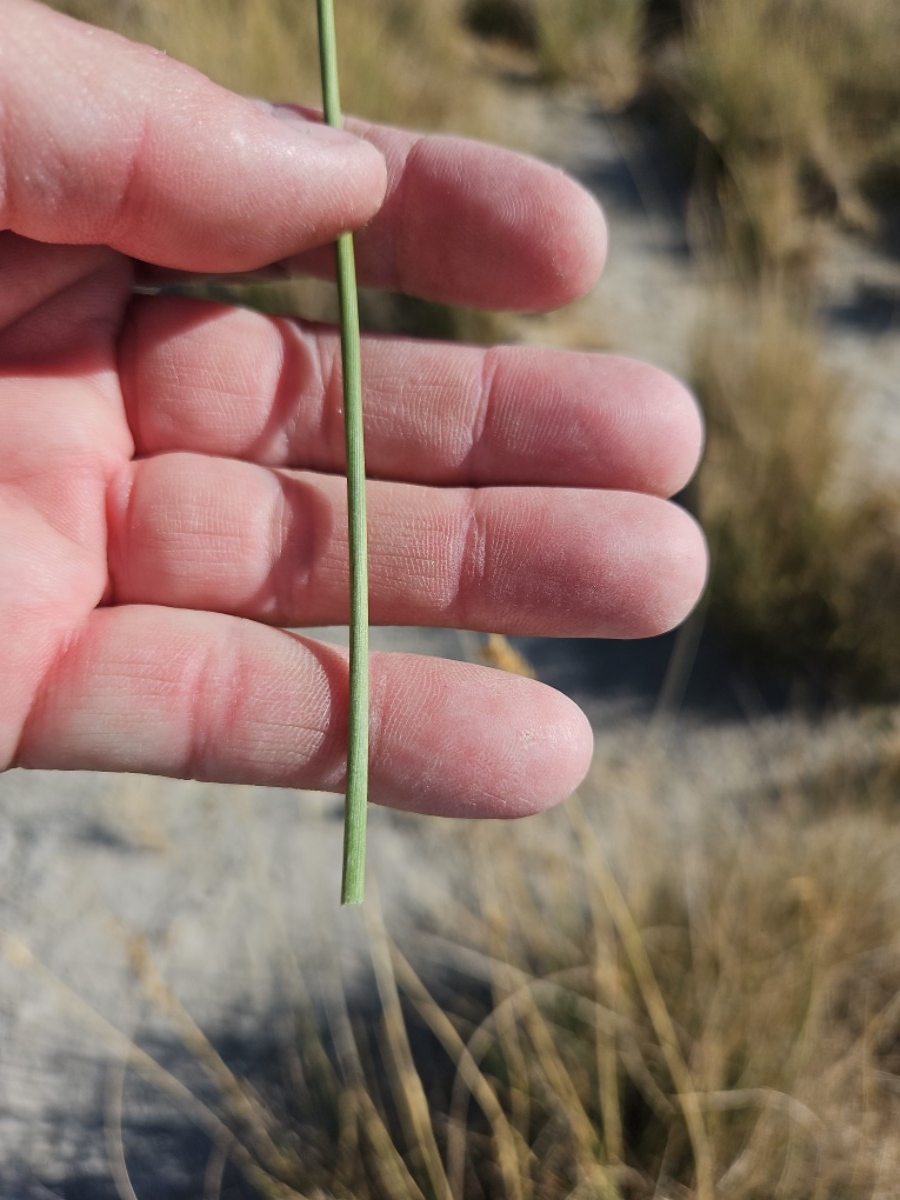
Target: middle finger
column 227, row 381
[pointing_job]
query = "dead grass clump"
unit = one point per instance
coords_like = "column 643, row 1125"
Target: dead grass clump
column 721, row 1023
column 859, row 48
column 755, row 93
column 600, row 43
column 797, row 101
column 715, row 1017
column 718, row 1021
column 806, row 577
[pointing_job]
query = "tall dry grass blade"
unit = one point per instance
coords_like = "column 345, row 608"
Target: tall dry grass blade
column 502, row 977
column 521, row 1005
column 560, row 1095
column 113, row 1119
column 360, row 1120
column 389, row 1166
column 214, row 1175
column 605, row 980
column 406, row 1083
column 606, row 1054
column 654, row 1001
column 565, row 1095
column 562, row 987
column 480, row 1089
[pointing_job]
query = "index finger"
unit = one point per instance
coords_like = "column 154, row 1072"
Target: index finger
column 106, row 142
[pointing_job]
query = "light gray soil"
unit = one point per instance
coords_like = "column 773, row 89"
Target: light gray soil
column 234, row 890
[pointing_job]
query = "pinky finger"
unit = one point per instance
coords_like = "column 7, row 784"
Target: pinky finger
column 205, row 696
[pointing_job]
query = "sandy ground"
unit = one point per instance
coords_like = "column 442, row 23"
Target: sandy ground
column 234, row 890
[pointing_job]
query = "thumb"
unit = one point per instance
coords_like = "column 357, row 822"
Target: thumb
column 105, row 142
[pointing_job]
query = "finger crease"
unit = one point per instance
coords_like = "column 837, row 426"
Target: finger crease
column 397, row 256
column 120, row 216
column 67, row 646
column 292, row 554
column 210, row 690
column 331, row 386
column 481, row 416
column 472, row 570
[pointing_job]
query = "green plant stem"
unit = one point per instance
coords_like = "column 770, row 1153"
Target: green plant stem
column 358, row 722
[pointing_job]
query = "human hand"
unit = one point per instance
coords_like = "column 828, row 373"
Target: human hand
column 170, row 490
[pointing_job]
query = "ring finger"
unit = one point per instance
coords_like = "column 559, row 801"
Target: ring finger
column 191, row 531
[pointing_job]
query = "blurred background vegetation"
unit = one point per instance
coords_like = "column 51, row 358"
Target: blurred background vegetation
column 725, row 1023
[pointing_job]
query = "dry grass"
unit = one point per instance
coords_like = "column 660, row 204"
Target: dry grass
column 796, row 106
column 598, row 42
column 720, row 1021
column 806, row 574
column 714, row 1017
column 798, row 101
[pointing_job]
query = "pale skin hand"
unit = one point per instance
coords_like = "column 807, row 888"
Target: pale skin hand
column 170, row 486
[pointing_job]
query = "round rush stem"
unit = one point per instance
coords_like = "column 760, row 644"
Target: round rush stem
column 358, row 722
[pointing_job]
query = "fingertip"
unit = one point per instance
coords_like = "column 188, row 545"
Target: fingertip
column 556, row 234
column 469, row 223
column 682, row 426
column 583, row 242
column 554, row 765
column 555, row 237
column 515, row 747
column 668, row 424
column 680, row 576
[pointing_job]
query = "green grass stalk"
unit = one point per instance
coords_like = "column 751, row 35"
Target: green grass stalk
column 352, row 888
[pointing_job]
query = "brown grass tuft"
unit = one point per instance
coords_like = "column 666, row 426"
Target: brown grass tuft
column 797, row 102
column 806, row 574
